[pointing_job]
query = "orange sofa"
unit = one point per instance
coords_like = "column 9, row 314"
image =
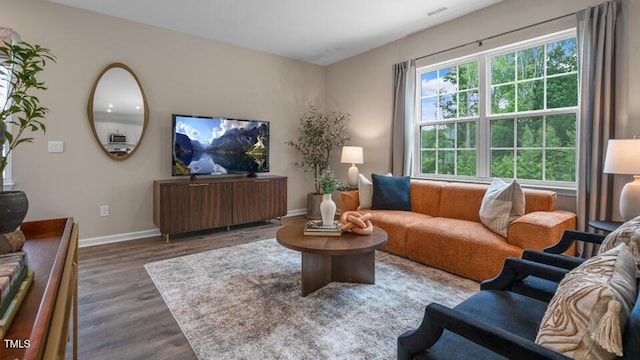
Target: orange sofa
column 443, row 228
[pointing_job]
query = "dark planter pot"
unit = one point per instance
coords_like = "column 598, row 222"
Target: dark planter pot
column 13, row 209
column 313, row 206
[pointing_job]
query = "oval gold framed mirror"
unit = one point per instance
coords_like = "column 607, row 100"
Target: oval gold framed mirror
column 118, row 111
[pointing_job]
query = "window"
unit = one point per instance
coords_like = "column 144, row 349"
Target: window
column 506, row 113
column 448, row 118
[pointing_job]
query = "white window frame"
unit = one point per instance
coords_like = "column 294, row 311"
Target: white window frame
column 483, row 140
column 7, row 179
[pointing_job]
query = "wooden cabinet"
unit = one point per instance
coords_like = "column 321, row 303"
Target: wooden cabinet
column 183, row 205
column 189, row 206
column 259, row 199
column 48, row 317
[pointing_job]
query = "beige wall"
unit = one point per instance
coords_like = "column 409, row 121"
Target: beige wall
column 362, row 85
column 180, row 74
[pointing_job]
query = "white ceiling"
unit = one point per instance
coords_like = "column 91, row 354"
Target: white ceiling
column 316, row 31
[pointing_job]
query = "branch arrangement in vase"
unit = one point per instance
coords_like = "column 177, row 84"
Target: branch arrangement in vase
column 318, row 135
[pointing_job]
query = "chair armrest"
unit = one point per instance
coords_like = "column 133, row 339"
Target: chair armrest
column 438, row 317
column 569, row 237
column 515, row 269
column 561, row 261
column 349, row 200
column 539, row 229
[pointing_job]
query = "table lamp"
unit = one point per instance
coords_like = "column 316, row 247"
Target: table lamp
column 623, row 157
column 352, row 155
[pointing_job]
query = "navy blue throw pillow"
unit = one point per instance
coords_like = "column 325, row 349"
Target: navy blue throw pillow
column 391, row 192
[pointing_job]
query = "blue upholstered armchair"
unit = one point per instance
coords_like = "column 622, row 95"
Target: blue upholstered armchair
column 491, row 324
column 498, row 322
column 544, row 289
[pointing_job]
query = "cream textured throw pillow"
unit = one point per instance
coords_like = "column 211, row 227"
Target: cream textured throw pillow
column 365, row 191
column 501, row 205
column 588, row 312
column 628, row 233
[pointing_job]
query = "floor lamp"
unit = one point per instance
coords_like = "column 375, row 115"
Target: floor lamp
column 623, row 157
column 352, row 155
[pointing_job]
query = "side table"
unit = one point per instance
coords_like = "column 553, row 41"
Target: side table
column 605, row 225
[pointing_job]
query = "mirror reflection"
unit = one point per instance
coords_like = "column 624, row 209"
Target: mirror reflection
column 118, row 111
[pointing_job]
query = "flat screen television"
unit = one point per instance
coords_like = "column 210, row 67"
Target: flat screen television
column 219, row 146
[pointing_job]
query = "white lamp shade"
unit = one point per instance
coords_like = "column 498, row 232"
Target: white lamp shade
column 623, row 157
column 352, row 155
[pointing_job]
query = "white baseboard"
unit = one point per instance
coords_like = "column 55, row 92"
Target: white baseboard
column 297, row 212
column 101, row 240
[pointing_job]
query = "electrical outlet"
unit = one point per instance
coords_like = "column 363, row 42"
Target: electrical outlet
column 104, row 210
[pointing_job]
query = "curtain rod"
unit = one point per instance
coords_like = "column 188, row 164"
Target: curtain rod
column 479, row 42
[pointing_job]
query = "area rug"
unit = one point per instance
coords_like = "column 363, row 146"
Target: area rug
column 243, row 302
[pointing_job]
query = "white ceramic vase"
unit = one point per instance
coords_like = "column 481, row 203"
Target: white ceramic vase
column 327, row 209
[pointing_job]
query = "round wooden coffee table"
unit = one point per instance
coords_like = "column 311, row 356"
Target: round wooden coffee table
column 346, row 258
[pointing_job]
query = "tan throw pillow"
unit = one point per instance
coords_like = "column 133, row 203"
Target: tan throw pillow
column 365, row 191
column 586, row 316
column 501, row 205
column 628, row 233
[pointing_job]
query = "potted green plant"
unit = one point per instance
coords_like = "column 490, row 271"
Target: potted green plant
column 318, row 135
column 328, row 184
column 20, row 65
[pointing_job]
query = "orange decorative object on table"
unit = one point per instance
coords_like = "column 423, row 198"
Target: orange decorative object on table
column 357, row 223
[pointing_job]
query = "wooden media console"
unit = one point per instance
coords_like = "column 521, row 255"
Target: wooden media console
column 183, row 205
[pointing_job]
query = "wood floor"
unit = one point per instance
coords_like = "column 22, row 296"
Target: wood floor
column 121, row 313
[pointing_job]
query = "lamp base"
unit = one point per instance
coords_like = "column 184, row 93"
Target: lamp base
column 630, row 199
column 352, row 176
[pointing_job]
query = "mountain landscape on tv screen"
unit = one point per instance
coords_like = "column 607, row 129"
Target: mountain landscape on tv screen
column 239, row 149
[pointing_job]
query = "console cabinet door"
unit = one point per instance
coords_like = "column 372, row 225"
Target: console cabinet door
column 217, row 206
column 259, row 199
column 194, row 206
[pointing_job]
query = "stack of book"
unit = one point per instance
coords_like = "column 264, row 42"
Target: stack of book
column 15, row 279
column 315, row 228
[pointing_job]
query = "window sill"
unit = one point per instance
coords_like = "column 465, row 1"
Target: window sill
column 7, row 185
column 558, row 189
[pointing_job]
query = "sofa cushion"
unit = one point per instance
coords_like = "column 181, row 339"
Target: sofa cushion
column 539, row 229
column 462, row 201
column 391, row 192
column 462, row 247
column 628, row 233
column 425, row 196
column 501, row 205
column 586, row 316
column 395, row 223
column 539, row 200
